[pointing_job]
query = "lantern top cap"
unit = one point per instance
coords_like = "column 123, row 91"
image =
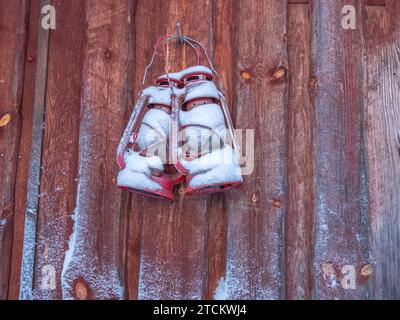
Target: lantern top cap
column 179, row 76
column 158, row 95
column 196, row 70
column 171, row 76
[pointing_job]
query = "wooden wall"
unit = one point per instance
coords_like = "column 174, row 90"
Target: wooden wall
column 323, row 200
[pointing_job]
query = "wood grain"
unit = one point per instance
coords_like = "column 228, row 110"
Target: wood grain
column 300, row 154
column 255, row 252
column 224, row 61
column 35, row 161
column 324, row 193
column 91, row 266
column 341, row 222
column 173, row 253
column 13, row 37
column 382, row 130
column 60, row 146
column 24, row 148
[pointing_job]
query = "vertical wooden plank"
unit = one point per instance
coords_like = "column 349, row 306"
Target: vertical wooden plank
column 92, row 265
column 130, row 211
column 224, row 62
column 24, row 149
column 255, row 252
column 173, row 258
column 13, row 36
column 300, row 186
column 60, row 147
column 141, row 49
column 341, row 222
column 35, row 158
column 382, row 125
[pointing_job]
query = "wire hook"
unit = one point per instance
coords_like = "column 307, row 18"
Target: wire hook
column 179, row 31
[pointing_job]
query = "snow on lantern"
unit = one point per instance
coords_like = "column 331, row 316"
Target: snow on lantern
column 207, row 157
column 180, row 130
column 143, row 150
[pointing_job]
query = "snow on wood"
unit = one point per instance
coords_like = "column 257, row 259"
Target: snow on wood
column 60, row 151
column 173, row 235
column 220, row 291
column 277, row 236
column 13, row 36
column 255, row 252
column 91, row 268
column 300, row 156
column 341, row 212
column 32, row 198
column 382, row 108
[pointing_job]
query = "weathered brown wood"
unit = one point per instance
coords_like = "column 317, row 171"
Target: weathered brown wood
column 140, row 51
column 60, row 147
column 173, row 255
column 92, row 263
column 255, row 252
column 375, row 2
column 130, row 230
column 13, row 36
column 24, row 149
column 300, row 154
column 382, row 130
column 325, row 190
column 341, row 222
column 224, row 62
column 35, row 160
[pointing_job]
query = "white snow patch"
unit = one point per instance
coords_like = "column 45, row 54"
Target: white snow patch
column 221, row 290
column 195, row 137
column 80, row 262
column 181, row 74
column 160, row 280
column 210, row 160
column 135, row 162
column 161, row 95
column 158, row 120
column 195, row 69
column 172, row 76
column 136, row 180
column 135, row 174
column 203, row 126
column 209, row 115
column 70, row 251
column 158, row 95
column 28, row 258
column 220, row 166
column 220, row 174
column 201, row 89
column 156, row 125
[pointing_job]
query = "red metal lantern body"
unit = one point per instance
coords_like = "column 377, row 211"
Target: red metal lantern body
column 179, row 130
column 208, row 157
column 143, row 150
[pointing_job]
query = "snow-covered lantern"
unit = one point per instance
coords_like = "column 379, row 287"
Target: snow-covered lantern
column 197, row 77
column 143, row 150
column 170, row 80
column 207, row 156
column 187, row 104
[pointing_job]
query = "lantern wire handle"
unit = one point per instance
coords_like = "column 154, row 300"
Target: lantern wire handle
column 166, row 39
column 186, row 39
column 179, row 32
